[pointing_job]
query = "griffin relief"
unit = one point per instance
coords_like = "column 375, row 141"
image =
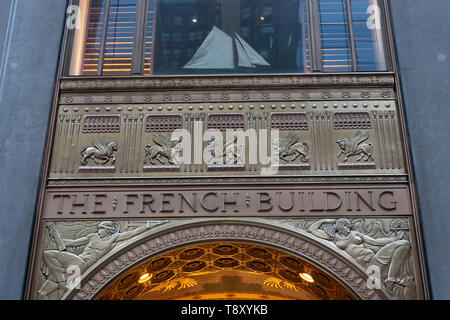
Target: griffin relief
column 290, row 148
column 356, row 146
column 164, row 147
column 101, row 152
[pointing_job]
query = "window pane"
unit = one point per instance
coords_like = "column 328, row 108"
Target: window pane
column 229, row 36
column 334, row 34
column 226, row 36
column 368, row 35
column 88, row 38
column 305, row 36
column 120, row 37
column 149, row 36
column 108, row 38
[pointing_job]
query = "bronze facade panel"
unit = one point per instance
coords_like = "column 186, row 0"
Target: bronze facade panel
column 341, row 158
column 104, row 250
column 227, row 202
column 315, row 138
column 114, row 195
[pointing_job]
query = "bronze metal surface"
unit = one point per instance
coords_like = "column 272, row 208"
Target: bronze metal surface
column 334, row 138
column 228, row 202
column 352, row 162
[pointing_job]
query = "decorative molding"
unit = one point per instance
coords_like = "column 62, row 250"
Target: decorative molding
column 101, row 124
column 225, row 121
column 289, row 121
column 351, row 120
column 294, row 81
column 225, row 180
column 356, row 165
column 75, row 98
column 308, row 133
column 163, row 122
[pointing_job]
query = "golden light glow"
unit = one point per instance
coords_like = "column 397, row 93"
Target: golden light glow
column 79, row 40
column 194, row 20
column 306, row 276
column 261, row 18
column 217, row 281
column 145, row 277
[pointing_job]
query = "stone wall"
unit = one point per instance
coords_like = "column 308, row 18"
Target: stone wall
column 421, row 33
column 30, row 39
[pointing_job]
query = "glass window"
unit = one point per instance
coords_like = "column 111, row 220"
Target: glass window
column 334, row 35
column 159, row 37
column 367, row 30
column 351, row 35
column 230, row 36
column 109, row 38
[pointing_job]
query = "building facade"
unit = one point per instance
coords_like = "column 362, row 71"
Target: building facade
column 223, row 150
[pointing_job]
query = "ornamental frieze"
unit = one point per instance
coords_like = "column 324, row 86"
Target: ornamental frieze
column 229, row 82
column 352, row 138
column 310, row 94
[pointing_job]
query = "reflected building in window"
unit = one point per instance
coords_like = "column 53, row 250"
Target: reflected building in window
column 120, row 37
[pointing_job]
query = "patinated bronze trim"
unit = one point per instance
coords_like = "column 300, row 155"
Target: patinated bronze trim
column 223, row 82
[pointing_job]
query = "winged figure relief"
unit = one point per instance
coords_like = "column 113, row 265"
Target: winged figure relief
column 163, row 148
column 290, row 148
column 355, row 146
column 231, row 152
column 101, row 151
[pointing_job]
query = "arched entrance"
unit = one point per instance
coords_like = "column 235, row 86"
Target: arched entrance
column 225, row 270
column 336, row 277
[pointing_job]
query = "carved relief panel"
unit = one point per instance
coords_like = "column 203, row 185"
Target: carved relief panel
column 138, row 166
column 294, row 139
column 349, row 248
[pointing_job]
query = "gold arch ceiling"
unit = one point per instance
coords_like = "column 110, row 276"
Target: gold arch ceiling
column 225, row 270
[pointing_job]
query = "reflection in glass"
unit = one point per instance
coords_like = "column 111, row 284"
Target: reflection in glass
column 335, row 39
column 351, row 35
column 118, row 49
column 158, row 37
column 229, row 36
column 86, row 45
column 149, row 37
column 368, row 35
